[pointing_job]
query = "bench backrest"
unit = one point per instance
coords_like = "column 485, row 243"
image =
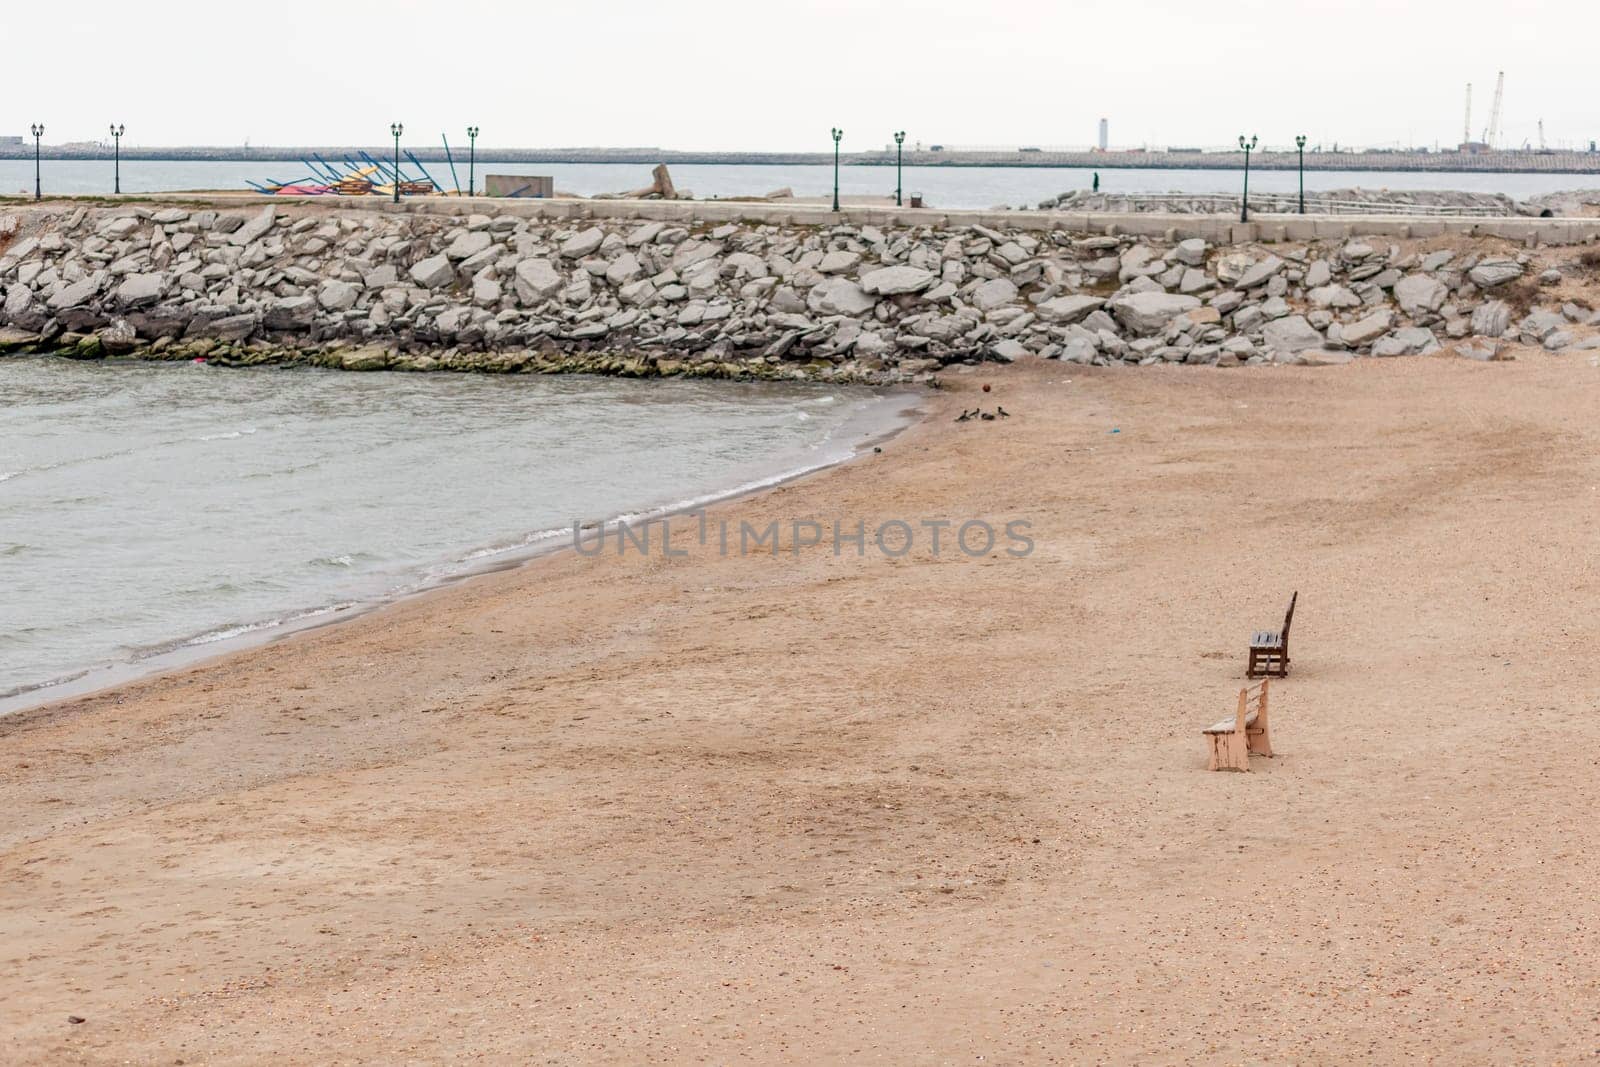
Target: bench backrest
column 1288, row 616
column 1252, row 702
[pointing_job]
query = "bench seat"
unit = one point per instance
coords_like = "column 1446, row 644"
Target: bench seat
column 1229, row 725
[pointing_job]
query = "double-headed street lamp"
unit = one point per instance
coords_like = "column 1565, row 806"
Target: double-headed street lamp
column 116, row 136
column 1300, row 143
column 1248, row 146
column 899, row 142
column 396, row 129
column 838, row 135
column 472, row 161
column 37, row 129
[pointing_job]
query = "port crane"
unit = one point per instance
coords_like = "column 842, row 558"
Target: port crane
column 1493, row 136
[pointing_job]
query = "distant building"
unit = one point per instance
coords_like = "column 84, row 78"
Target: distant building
column 1105, row 134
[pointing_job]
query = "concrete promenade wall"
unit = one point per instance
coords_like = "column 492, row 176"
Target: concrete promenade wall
column 1217, row 230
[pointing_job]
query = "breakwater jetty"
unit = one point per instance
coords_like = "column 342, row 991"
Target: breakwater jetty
column 1488, row 162
column 665, row 288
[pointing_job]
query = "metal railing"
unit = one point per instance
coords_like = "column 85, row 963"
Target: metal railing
column 1276, row 203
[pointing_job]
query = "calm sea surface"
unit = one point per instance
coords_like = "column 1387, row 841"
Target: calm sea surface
column 145, row 508
column 946, row 187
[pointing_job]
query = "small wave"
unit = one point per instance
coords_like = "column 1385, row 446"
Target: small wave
column 14, row 549
column 227, row 633
column 228, row 436
column 346, row 560
column 33, row 687
column 75, row 461
column 802, row 416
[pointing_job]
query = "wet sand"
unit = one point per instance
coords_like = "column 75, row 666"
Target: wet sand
column 932, row 809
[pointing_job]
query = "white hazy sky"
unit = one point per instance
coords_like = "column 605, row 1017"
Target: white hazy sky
column 720, row 74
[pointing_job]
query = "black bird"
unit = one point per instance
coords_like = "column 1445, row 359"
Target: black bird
column 986, row 417
column 965, row 415
column 1004, row 414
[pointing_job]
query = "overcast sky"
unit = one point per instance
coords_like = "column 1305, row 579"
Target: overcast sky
column 719, row 74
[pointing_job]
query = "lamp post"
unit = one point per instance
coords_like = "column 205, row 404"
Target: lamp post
column 1248, row 146
column 116, row 136
column 37, row 129
column 838, row 135
column 472, row 161
column 1300, row 143
column 396, row 129
column 899, row 143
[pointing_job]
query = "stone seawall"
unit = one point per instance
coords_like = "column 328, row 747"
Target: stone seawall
column 808, row 297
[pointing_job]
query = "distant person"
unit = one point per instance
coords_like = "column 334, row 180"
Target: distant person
column 1097, row 181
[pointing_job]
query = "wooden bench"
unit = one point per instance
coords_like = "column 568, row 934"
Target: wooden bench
column 1233, row 740
column 1269, row 651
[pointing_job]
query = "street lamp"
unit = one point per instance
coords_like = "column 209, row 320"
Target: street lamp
column 116, row 136
column 472, row 161
column 1300, row 143
column 396, row 129
column 838, row 135
column 38, row 131
column 1248, row 146
column 899, row 142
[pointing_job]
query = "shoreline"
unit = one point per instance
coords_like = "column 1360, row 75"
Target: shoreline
column 881, row 419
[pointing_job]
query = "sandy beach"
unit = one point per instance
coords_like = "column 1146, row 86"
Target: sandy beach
column 934, row 809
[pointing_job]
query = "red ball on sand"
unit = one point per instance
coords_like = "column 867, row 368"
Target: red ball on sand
column 986, row 387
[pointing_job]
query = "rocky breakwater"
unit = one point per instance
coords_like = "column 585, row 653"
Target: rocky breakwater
column 361, row 289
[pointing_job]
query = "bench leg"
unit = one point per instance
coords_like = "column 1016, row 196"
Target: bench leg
column 1229, row 752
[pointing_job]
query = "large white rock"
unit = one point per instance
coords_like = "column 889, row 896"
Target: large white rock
column 1291, row 334
column 838, row 262
column 74, row 294
column 485, row 292
column 1067, row 309
column 468, row 243
column 336, row 295
column 432, row 272
column 624, row 269
column 582, row 243
column 1259, row 273
column 641, row 293
column 1493, row 272
column 1191, row 253
column 537, row 281
column 1333, row 296
column 891, row 281
column 116, row 229
column 138, row 290
column 254, row 228
column 1410, row 341
column 1148, row 313
column 996, row 292
column 1366, row 330
column 839, row 296
column 1419, row 294
column 1492, row 319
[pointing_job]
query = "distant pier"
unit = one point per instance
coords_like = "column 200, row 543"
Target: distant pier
column 1502, row 162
